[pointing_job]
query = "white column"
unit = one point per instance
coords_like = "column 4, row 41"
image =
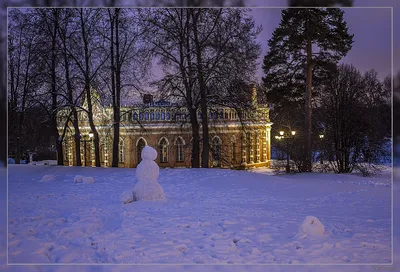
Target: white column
column 264, row 146
column 251, row 144
column 244, row 150
column 258, row 147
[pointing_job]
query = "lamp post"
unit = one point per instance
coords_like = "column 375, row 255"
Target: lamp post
column 86, row 138
column 321, row 137
column 287, row 136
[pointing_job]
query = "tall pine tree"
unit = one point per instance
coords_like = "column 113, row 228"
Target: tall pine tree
column 306, row 46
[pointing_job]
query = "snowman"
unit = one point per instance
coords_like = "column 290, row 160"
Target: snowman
column 147, row 172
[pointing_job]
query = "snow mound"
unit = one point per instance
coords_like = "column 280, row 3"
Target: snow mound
column 149, row 153
column 127, row 197
column 148, row 191
column 311, row 226
column 89, row 180
column 47, row 178
column 82, row 179
column 78, row 179
column 147, row 171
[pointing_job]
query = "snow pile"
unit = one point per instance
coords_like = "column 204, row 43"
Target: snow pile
column 46, row 162
column 47, row 178
column 147, row 172
column 78, row 179
column 82, row 179
column 127, row 197
column 311, row 226
column 89, row 180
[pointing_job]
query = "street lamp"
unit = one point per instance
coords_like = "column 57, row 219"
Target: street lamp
column 287, row 136
column 321, row 137
column 86, row 138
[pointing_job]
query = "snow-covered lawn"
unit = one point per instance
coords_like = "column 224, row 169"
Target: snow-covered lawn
column 211, row 216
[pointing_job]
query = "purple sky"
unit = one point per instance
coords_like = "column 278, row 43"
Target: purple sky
column 372, row 36
column 367, row 20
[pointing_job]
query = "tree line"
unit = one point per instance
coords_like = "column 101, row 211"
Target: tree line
column 58, row 58
column 337, row 111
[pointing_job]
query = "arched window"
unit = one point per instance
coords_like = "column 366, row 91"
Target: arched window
column 121, row 150
column 162, row 115
column 215, row 115
column 210, row 115
column 216, row 151
column 135, row 115
column 146, row 116
column 199, row 115
column 70, row 156
column 179, row 149
column 233, row 148
column 168, row 115
column 104, row 153
column 221, row 115
column 163, row 150
column 157, row 115
column 141, row 143
column 152, row 116
column 141, row 115
column 66, row 150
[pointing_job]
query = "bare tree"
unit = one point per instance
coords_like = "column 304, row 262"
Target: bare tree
column 129, row 59
column 23, row 74
column 353, row 109
column 173, row 47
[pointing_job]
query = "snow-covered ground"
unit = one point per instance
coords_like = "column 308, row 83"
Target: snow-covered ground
column 211, row 216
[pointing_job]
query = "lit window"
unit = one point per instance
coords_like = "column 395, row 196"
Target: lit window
column 121, row 150
column 163, row 150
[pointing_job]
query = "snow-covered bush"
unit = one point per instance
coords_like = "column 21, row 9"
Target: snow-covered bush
column 78, row 179
column 47, row 178
column 89, row 180
column 368, row 169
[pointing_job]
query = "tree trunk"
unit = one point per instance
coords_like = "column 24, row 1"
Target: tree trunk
column 117, row 116
column 196, row 139
column 205, row 155
column 188, row 81
column 88, row 92
column 75, row 121
column 116, row 112
column 54, row 104
column 307, row 162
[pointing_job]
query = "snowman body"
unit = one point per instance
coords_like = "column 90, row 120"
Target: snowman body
column 147, row 172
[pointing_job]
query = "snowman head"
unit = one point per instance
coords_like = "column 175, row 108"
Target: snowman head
column 149, row 153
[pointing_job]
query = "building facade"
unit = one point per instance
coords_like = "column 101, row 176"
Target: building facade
column 237, row 142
